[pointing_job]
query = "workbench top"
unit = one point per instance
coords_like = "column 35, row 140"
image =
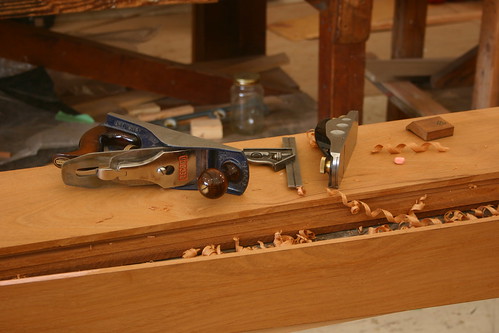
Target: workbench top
column 37, row 207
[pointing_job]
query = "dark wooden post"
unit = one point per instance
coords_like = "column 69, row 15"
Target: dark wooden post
column 229, row 28
column 344, row 30
column 408, row 33
column 486, row 89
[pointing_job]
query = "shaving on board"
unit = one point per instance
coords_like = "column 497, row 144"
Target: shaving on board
column 356, row 206
column 303, row 236
column 415, row 147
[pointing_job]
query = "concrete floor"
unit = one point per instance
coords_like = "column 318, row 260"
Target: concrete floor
column 171, row 39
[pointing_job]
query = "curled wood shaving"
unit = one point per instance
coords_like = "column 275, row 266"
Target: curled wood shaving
column 356, row 206
column 282, row 240
column 311, row 138
column 210, row 250
column 487, row 210
column 191, row 253
column 240, row 248
column 415, row 147
column 456, row 215
column 301, row 191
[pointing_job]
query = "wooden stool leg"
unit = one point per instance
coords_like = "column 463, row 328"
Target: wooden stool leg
column 408, row 33
column 229, row 28
column 486, row 89
column 344, row 29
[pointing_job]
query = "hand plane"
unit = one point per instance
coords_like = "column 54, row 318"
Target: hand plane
column 336, row 138
column 140, row 153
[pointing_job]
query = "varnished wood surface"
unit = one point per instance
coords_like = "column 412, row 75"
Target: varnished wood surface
column 45, row 222
column 323, row 281
column 22, row 8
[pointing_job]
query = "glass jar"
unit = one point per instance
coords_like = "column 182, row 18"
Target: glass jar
column 247, row 108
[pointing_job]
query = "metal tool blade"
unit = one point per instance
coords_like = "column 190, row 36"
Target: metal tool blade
column 292, row 168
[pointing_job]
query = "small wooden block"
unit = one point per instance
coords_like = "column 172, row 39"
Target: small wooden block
column 207, row 128
column 431, row 128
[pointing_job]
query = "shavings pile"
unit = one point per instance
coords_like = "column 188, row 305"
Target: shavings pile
column 415, row 147
column 280, row 240
column 356, row 206
column 410, row 220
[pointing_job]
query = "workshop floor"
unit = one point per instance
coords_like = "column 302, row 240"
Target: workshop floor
column 166, row 33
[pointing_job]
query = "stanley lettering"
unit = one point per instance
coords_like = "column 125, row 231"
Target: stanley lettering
column 183, row 174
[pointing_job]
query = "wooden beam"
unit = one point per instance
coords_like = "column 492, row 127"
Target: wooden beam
column 23, row 8
column 460, row 72
column 388, row 70
column 344, row 27
column 229, row 28
column 486, row 89
column 408, row 32
column 413, row 101
column 78, row 56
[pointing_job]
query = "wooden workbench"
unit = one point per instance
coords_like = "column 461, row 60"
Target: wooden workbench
column 88, row 235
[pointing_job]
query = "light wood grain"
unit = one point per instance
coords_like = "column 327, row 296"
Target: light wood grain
column 329, row 280
column 45, row 223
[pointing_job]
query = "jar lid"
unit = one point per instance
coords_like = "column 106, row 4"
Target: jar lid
column 246, row 78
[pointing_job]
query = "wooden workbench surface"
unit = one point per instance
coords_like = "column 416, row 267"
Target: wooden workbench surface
column 38, row 211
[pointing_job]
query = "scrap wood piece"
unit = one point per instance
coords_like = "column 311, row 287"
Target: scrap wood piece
column 356, row 206
column 431, row 128
column 415, row 147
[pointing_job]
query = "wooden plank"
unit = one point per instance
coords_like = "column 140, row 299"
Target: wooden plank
column 109, row 64
column 387, row 70
column 329, row 280
column 412, row 100
column 307, row 27
column 229, row 29
column 77, row 228
column 23, row 8
column 486, row 89
column 459, row 72
column 254, row 64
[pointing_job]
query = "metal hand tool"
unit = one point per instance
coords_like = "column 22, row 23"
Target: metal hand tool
column 278, row 159
column 337, row 138
column 159, row 155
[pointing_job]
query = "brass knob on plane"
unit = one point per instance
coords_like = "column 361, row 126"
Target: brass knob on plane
column 325, row 165
column 212, row 183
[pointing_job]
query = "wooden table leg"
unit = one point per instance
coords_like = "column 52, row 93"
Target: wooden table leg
column 229, row 28
column 344, row 30
column 486, row 89
column 408, row 33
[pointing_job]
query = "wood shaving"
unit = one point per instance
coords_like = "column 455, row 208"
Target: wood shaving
column 282, row 240
column 191, row 253
column 415, row 147
column 301, row 191
column 483, row 211
column 311, row 138
column 356, row 206
column 210, row 250
column 240, row 248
